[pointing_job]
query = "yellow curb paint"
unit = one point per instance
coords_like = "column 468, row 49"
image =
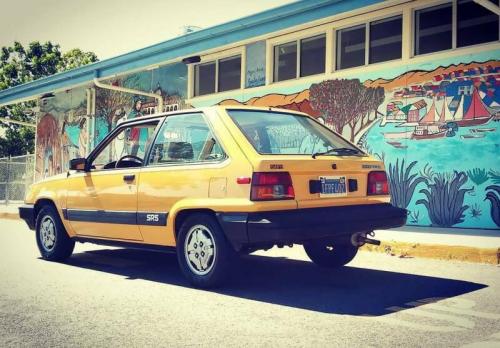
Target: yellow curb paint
column 10, row 216
column 440, row 252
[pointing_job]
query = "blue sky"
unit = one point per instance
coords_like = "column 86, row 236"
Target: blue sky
column 113, row 27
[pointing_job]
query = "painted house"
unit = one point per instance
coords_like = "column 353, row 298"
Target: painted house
column 353, row 64
column 415, row 111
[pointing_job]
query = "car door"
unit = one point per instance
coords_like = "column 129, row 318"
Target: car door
column 185, row 159
column 102, row 201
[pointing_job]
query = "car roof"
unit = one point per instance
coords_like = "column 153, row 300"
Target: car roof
column 203, row 109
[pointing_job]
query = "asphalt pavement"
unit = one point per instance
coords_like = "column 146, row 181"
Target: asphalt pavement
column 115, row 297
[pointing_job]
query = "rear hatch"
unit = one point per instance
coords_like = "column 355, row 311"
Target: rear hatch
column 325, row 169
column 326, row 180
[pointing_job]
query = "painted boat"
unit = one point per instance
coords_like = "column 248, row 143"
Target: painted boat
column 474, row 122
column 473, row 136
column 432, row 131
column 394, row 143
column 476, row 114
column 482, row 130
column 398, row 135
column 425, row 136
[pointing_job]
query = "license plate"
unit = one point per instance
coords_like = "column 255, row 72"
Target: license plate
column 332, row 186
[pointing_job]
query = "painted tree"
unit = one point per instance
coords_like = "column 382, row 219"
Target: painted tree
column 376, row 97
column 332, row 99
column 111, row 105
column 360, row 107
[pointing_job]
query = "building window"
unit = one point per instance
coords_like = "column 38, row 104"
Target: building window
column 475, row 24
column 226, row 72
column 204, row 79
column 384, row 43
column 312, row 56
column 351, row 46
column 433, row 29
column 229, row 74
column 285, row 61
column 385, row 39
column 310, row 52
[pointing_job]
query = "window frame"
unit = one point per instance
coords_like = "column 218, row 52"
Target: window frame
column 297, row 39
column 147, row 162
column 216, row 59
column 454, row 29
column 113, row 134
column 366, row 24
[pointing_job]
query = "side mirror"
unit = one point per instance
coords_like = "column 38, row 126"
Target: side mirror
column 77, row 164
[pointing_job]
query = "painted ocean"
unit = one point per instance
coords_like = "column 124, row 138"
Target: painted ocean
column 474, row 151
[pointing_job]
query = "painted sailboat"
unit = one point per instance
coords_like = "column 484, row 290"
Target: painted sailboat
column 446, row 115
column 428, row 127
column 476, row 114
column 431, row 116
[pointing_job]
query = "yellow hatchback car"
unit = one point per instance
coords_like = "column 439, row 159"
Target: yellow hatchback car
column 213, row 183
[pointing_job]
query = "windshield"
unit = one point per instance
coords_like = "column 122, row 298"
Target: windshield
column 273, row 132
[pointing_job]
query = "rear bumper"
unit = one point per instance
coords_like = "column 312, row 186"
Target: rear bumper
column 302, row 225
column 27, row 213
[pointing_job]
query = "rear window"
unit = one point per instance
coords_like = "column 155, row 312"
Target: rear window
column 273, row 133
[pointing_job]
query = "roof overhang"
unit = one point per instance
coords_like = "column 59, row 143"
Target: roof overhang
column 263, row 23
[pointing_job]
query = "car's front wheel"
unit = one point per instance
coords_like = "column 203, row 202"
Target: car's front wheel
column 328, row 255
column 52, row 239
column 203, row 252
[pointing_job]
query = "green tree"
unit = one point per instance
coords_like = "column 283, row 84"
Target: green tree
column 20, row 65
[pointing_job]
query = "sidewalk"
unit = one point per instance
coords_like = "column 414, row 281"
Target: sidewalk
column 482, row 246
column 9, row 211
column 469, row 245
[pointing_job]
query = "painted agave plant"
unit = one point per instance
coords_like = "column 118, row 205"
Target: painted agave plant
column 444, row 199
column 402, row 183
column 493, row 195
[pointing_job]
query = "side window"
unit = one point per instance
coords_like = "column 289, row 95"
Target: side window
column 185, row 139
column 127, row 149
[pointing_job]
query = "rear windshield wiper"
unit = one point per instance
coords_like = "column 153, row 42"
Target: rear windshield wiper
column 343, row 151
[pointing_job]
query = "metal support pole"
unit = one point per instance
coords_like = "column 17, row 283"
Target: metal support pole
column 7, row 182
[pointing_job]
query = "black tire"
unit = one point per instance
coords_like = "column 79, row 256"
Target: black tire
column 218, row 264
column 326, row 255
column 62, row 246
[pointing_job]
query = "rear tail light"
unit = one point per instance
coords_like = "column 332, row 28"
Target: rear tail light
column 271, row 186
column 377, row 183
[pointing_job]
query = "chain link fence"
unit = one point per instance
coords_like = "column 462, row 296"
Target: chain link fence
column 16, row 175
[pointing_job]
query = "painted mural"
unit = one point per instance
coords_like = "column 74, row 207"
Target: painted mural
column 436, row 127
column 66, row 129
column 169, row 81
column 62, row 132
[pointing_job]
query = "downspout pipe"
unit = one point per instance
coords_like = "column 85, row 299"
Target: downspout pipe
column 158, row 97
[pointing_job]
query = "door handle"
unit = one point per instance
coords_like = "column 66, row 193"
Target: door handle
column 128, row 178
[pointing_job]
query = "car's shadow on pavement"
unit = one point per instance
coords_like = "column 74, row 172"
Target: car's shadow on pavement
column 287, row 282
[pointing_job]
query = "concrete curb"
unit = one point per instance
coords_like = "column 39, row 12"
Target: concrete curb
column 435, row 251
column 9, row 216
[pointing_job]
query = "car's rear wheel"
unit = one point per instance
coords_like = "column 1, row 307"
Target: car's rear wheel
column 328, row 255
column 203, row 252
column 52, row 239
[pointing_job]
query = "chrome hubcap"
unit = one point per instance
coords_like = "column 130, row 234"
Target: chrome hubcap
column 48, row 233
column 199, row 250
